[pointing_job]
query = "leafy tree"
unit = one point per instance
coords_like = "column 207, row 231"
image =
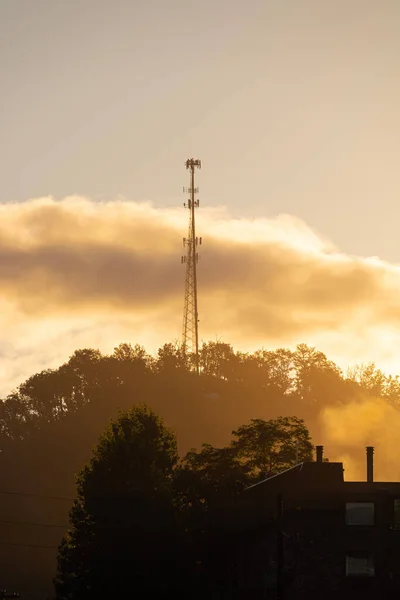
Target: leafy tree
column 122, row 522
column 392, row 390
column 210, row 478
column 87, row 368
column 207, row 485
column 267, row 447
column 67, row 408
column 133, row 358
column 218, row 359
column 370, row 379
column 17, row 421
column 127, row 368
column 52, row 393
column 275, row 368
column 316, row 377
column 171, row 357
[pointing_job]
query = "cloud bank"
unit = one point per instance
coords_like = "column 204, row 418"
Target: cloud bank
column 76, row 272
column 365, row 422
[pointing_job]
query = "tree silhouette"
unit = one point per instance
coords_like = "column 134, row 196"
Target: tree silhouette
column 171, row 357
column 268, row 447
column 51, row 422
column 122, row 522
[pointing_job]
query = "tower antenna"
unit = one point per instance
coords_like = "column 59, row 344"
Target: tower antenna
column 190, row 333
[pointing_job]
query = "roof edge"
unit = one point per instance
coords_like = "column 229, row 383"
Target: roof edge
column 274, row 476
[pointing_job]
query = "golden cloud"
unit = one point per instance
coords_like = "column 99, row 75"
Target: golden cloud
column 75, row 265
column 74, row 255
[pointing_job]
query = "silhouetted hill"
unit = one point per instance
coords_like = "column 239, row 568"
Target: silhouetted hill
column 51, row 423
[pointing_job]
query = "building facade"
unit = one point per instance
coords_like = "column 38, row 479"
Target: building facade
column 310, row 534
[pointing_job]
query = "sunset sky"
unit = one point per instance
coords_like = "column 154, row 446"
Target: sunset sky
column 292, row 108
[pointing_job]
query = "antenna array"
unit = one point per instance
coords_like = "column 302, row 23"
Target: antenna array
column 190, row 333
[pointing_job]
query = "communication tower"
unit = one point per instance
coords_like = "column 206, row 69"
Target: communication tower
column 190, row 333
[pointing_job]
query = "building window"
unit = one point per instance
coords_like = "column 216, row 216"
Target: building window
column 397, row 514
column 360, row 565
column 360, row 513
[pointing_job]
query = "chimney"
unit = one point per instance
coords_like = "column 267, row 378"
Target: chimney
column 370, row 464
column 320, row 453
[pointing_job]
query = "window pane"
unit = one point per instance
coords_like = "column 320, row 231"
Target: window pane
column 362, row 566
column 360, row 513
column 397, row 514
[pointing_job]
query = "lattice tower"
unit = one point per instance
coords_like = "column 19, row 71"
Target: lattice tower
column 190, row 333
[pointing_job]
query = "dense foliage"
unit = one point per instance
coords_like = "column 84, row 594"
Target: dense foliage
column 305, row 376
column 138, row 513
column 51, row 422
column 122, row 522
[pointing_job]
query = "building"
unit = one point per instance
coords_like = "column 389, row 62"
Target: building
column 311, row 534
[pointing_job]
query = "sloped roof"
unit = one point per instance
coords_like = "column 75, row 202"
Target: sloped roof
column 308, row 475
column 298, row 466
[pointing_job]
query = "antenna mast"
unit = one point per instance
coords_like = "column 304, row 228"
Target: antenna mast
column 190, row 334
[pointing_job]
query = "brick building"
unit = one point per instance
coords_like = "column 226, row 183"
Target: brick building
column 311, row 534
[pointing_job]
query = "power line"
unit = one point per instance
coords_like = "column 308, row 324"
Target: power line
column 27, row 545
column 30, row 495
column 32, row 523
column 50, row 525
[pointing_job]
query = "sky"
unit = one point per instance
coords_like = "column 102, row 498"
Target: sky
column 292, row 108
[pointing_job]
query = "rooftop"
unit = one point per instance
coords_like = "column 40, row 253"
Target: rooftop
column 321, row 477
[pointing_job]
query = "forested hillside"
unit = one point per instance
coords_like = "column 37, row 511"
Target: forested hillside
column 51, row 423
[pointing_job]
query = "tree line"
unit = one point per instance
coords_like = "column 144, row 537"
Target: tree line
column 51, row 422
column 304, row 376
column 147, row 524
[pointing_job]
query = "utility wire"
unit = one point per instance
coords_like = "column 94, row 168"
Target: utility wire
column 32, row 523
column 27, row 545
column 29, row 523
column 10, row 522
column 28, row 495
